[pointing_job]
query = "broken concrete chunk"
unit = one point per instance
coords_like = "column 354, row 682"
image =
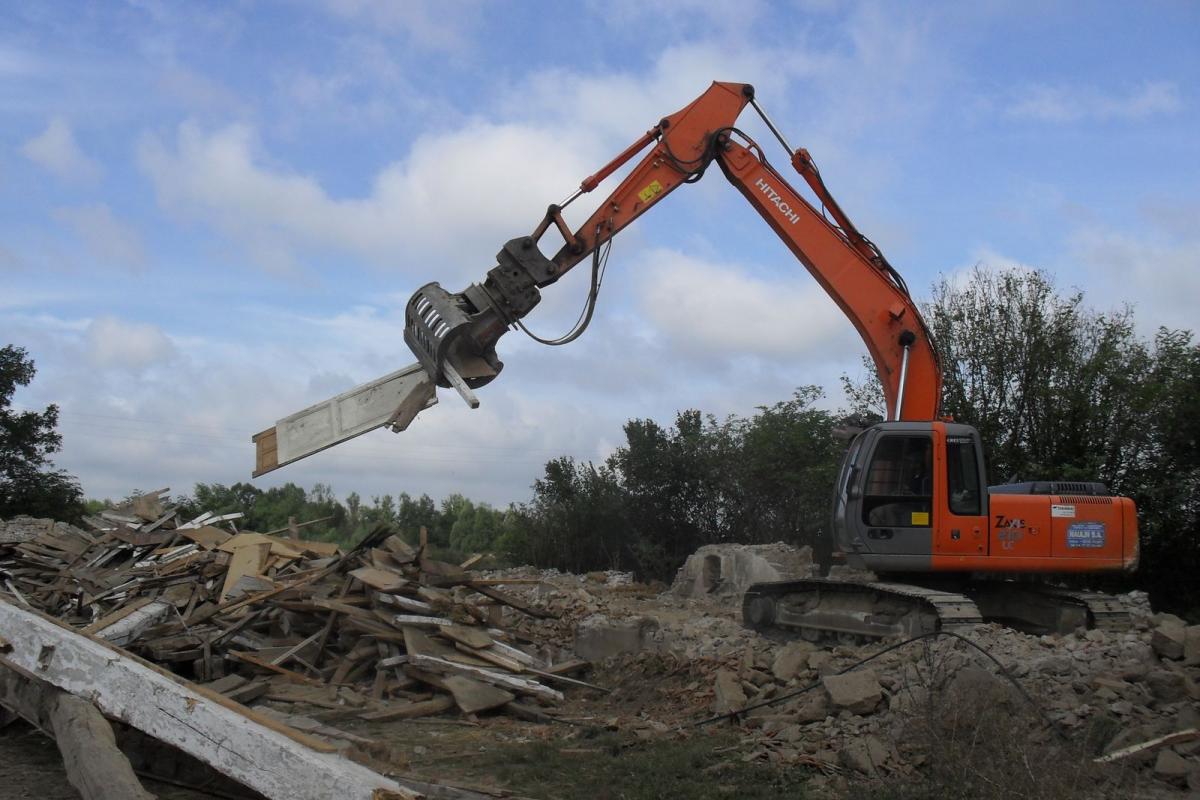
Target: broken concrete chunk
column 978, row 684
column 1191, row 646
column 598, row 637
column 727, row 570
column 1173, row 767
column 1167, row 686
column 812, row 707
column 822, row 662
column 1168, row 640
column 727, row 693
column 791, row 660
column 866, row 755
column 858, row 692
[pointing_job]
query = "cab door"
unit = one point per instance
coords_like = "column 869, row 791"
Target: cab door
column 961, row 488
column 892, row 510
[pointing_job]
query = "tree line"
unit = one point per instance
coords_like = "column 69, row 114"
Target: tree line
column 1057, row 390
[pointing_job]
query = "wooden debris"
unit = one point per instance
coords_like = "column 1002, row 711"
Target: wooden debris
column 285, row 619
column 411, row 710
column 379, row 579
column 473, row 696
column 268, row 758
column 1179, row 737
column 94, row 765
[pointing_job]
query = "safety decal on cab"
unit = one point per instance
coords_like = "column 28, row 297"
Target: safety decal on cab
column 650, row 192
column 1061, row 510
column 1085, row 534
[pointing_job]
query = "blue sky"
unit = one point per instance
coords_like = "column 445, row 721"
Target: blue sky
column 213, row 213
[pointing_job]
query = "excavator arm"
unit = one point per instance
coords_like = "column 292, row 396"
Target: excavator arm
column 454, row 334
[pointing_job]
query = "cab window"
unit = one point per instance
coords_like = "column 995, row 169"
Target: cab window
column 962, row 467
column 899, row 488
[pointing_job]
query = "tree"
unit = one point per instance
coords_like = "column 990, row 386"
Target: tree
column 669, row 490
column 28, row 482
column 1058, row 390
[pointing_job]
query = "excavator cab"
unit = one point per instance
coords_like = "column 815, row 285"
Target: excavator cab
column 901, row 485
column 913, row 497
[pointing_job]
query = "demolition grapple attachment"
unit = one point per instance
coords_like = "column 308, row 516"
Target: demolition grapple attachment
column 454, row 335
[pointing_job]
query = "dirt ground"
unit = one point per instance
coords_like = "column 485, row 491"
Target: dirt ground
column 638, row 741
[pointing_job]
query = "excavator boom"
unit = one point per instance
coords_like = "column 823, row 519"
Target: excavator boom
column 454, row 335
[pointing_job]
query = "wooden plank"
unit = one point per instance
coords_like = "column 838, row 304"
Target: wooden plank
column 227, row 684
column 424, row 708
column 246, row 560
column 400, row 620
column 1179, row 737
column 407, row 603
column 205, row 725
column 472, row 696
column 126, row 630
column 250, row 658
column 471, row 637
column 379, row 579
column 487, row 676
column 511, row 602
column 208, row 536
column 393, row 400
column 266, row 451
column 492, row 657
column 118, row 615
column 342, row 607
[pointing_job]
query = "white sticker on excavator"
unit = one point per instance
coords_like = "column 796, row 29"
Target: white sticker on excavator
column 1066, row 511
column 1085, row 535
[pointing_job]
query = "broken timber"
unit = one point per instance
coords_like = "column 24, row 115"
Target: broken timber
column 94, row 765
column 393, row 400
column 205, row 725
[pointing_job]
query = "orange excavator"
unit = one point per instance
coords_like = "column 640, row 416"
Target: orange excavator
column 911, row 502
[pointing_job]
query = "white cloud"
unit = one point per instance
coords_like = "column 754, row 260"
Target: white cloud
column 56, row 150
column 427, row 24
column 116, row 344
column 679, row 17
column 1073, row 103
column 107, row 238
column 723, row 311
column 1158, row 274
column 455, row 197
column 620, row 106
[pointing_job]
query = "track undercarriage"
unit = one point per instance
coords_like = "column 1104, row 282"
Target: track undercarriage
column 819, row 608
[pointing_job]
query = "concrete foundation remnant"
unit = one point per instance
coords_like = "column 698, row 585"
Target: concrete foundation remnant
column 727, row 570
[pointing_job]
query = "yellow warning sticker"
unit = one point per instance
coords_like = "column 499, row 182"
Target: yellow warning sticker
column 650, row 192
column 920, row 518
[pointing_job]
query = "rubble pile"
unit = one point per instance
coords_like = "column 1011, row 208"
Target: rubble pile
column 1113, row 689
column 1121, row 687
column 378, row 632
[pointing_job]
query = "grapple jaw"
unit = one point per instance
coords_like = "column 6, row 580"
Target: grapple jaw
column 459, row 330
column 444, row 328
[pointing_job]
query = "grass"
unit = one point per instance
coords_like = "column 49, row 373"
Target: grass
column 608, row 766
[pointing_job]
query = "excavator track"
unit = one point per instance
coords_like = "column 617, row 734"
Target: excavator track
column 1039, row 608
column 1105, row 612
column 817, row 608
